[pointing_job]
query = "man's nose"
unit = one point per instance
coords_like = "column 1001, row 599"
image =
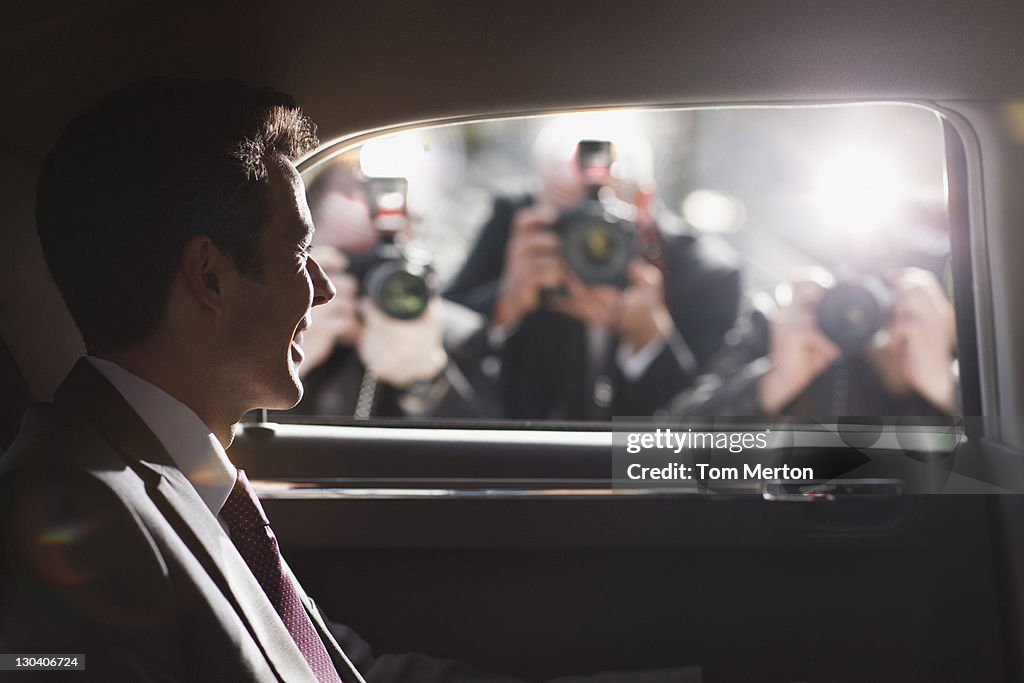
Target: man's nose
column 323, row 288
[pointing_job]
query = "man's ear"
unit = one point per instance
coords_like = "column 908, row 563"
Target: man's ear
column 207, row 272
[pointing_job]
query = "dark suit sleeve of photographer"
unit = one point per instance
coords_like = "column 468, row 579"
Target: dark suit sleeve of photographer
column 703, row 292
column 476, row 285
column 672, row 369
column 729, row 384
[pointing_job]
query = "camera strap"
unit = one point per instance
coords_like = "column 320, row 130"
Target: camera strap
column 367, row 397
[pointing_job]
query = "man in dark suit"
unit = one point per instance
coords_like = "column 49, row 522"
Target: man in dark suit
column 173, row 222
column 595, row 352
column 175, row 226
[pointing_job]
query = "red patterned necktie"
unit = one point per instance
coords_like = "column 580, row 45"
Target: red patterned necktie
column 251, row 534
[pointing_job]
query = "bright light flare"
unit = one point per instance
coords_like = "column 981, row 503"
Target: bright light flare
column 626, row 129
column 391, row 202
column 394, row 156
column 860, row 190
column 714, row 211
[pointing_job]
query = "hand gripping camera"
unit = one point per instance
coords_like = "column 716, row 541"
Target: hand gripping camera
column 597, row 242
column 853, row 311
column 399, row 279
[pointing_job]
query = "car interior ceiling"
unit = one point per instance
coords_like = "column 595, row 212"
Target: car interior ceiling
column 498, row 547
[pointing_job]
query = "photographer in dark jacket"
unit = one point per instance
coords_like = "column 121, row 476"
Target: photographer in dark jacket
column 362, row 362
column 597, row 350
column 777, row 360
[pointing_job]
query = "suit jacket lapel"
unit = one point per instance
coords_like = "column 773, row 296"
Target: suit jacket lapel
column 185, row 510
column 342, row 663
column 87, row 393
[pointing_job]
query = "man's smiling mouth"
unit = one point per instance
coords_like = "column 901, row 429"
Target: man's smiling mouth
column 296, row 345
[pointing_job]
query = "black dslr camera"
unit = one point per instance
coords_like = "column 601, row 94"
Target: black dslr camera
column 399, row 280
column 853, row 311
column 596, row 242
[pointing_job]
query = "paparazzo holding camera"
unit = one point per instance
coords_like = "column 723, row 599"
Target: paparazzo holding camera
column 600, row 301
column 864, row 345
column 387, row 345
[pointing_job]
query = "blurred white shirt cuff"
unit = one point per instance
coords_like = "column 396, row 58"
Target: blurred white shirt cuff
column 634, row 365
column 497, row 335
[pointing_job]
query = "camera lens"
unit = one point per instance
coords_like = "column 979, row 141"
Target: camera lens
column 597, row 245
column 398, row 291
column 853, row 311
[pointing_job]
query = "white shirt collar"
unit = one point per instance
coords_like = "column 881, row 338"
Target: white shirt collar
column 187, row 439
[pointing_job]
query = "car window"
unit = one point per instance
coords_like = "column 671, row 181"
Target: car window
column 582, row 266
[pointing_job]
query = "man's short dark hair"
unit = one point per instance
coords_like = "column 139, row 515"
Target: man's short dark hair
column 134, row 178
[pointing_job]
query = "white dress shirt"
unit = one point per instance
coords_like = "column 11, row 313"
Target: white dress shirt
column 190, row 443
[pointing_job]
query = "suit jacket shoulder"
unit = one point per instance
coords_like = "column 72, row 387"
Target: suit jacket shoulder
column 109, row 552
column 83, row 571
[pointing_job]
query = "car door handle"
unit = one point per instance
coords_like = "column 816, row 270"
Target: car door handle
column 833, row 489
